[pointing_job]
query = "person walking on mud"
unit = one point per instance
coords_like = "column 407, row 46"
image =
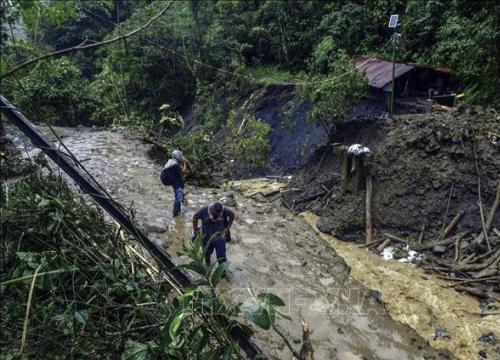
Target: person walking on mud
column 173, row 175
column 216, row 221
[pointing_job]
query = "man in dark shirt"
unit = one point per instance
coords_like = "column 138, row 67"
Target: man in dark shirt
column 216, row 220
column 177, row 166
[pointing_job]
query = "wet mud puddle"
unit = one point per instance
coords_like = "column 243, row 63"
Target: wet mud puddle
column 272, row 251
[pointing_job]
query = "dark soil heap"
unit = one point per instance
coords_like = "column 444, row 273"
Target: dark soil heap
column 417, row 160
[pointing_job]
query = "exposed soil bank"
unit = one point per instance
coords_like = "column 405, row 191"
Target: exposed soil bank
column 416, row 160
column 293, row 139
column 272, row 250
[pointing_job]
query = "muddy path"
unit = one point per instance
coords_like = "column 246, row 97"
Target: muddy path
column 272, row 250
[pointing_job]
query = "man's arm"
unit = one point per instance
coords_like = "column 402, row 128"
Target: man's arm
column 231, row 216
column 186, row 167
column 195, row 224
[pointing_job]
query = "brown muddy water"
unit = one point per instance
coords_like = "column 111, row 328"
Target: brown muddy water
column 278, row 252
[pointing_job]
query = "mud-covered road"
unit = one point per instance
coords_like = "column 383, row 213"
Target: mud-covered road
column 272, row 250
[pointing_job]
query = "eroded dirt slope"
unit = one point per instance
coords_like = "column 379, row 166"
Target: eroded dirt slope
column 416, row 161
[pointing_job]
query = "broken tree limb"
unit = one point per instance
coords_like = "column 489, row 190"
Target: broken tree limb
column 307, row 351
column 457, row 247
column 369, row 191
column 422, row 232
column 471, row 267
column 309, row 198
column 493, row 210
column 477, row 292
column 446, row 211
column 452, row 224
column 383, row 245
column 83, row 46
column 480, row 238
column 443, row 242
column 461, row 281
column 395, row 238
column 285, row 340
column 486, row 272
column 480, row 202
column 373, row 243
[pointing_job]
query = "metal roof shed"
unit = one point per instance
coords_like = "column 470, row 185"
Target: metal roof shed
column 379, row 71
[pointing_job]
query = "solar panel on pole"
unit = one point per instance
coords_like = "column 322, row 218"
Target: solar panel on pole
column 393, row 21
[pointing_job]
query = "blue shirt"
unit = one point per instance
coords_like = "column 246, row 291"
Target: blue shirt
column 210, row 227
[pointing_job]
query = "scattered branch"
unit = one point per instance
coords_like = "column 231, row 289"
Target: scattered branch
column 84, row 46
column 480, row 203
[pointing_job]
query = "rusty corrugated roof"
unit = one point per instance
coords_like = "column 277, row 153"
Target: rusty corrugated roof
column 379, row 71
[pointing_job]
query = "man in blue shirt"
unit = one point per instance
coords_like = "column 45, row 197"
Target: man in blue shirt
column 216, row 220
column 174, row 170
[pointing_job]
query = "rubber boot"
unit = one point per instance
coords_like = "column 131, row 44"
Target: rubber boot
column 177, row 209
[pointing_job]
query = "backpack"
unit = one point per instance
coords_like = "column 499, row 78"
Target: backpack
column 166, row 176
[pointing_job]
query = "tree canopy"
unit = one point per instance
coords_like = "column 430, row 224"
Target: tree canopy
column 221, row 45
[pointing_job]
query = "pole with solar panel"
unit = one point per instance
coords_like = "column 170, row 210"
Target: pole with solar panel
column 393, row 23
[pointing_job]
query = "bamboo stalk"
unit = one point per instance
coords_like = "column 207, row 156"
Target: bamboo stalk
column 28, row 307
column 369, row 191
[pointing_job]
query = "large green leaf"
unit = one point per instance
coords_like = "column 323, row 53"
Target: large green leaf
column 258, row 315
column 271, row 299
column 175, row 324
column 218, row 272
column 82, row 316
column 284, row 316
column 194, row 266
column 140, row 351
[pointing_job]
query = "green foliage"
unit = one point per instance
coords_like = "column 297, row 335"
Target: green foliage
column 85, row 294
column 53, row 90
column 251, row 144
column 264, row 312
column 170, row 121
column 287, row 116
column 269, row 74
column 196, row 146
column 196, row 304
column 11, row 164
column 461, row 43
column 111, row 106
column 331, row 98
column 96, row 297
column 207, row 53
column 209, row 111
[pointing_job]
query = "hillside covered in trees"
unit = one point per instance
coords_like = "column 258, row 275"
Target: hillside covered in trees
column 247, row 89
column 202, row 54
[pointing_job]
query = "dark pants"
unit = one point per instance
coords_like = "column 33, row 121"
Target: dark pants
column 178, row 197
column 219, row 245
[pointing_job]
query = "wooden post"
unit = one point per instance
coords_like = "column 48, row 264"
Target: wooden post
column 369, row 191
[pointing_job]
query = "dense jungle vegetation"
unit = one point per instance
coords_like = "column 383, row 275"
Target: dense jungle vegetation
column 202, row 60
column 209, row 55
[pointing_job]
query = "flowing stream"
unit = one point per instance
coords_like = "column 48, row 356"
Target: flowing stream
column 272, row 250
